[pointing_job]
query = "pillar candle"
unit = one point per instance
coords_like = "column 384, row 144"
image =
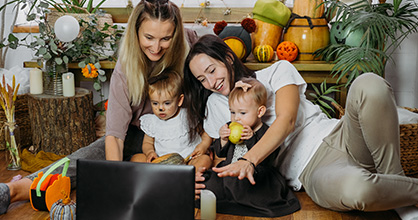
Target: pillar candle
column 35, row 81
column 207, row 205
column 68, row 84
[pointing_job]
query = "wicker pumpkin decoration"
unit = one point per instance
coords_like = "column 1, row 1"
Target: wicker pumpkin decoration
column 287, row 50
column 63, row 209
column 263, row 53
column 173, row 158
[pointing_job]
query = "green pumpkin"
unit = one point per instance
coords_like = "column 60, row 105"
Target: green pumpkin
column 63, row 209
column 343, row 35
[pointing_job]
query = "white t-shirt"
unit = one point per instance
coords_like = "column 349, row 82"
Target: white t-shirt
column 170, row 136
column 311, row 126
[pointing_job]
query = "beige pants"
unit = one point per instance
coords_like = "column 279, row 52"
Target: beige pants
column 358, row 167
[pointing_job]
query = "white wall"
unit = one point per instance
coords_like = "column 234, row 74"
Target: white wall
column 402, row 73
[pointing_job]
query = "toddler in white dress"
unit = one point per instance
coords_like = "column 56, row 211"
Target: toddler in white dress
column 166, row 131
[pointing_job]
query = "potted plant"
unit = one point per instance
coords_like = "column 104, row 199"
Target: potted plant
column 89, row 47
column 380, row 29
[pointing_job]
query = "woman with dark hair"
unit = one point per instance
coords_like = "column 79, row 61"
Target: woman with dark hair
column 347, row 164
column 153, row 41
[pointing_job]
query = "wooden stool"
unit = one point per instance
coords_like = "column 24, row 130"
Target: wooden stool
column 61, row 124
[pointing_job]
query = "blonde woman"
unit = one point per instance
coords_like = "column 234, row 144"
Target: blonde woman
column 154, row 40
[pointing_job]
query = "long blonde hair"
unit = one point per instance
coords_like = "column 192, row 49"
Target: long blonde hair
column 136, row 65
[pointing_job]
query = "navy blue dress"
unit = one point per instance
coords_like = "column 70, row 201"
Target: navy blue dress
column 269, row 197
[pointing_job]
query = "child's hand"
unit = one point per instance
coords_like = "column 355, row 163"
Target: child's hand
column 151, row 156
column 224, row 132
column 199, row 150
column 247, row 133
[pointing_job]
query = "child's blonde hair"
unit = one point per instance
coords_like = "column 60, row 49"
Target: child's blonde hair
column 256, row 91
column 169, row 81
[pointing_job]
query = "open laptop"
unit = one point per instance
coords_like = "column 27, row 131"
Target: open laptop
column 128, row 190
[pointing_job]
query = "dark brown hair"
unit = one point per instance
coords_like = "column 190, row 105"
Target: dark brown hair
column 195, row 95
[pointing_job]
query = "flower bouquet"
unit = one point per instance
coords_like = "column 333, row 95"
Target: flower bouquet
column 8, row 96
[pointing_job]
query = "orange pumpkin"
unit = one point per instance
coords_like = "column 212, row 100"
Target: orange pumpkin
column 287, row 50
column 263, row 53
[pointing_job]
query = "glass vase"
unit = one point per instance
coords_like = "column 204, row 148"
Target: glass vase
column 53, row 77
column 12, row 139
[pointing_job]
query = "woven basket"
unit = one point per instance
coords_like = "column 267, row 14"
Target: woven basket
column 22, row 120
column 408, row 134
column 101, row 19
column 409, row 146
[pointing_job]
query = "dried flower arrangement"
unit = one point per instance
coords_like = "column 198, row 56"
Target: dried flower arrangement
column 8, row 96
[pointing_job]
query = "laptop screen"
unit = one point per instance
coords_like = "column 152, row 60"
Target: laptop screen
column 128, row 190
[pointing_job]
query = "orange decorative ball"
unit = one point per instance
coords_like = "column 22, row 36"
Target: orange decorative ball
column 263, row 53
column 287, row 50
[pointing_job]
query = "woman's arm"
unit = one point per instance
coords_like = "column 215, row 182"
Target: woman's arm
column 286, row 105
column 114, row 148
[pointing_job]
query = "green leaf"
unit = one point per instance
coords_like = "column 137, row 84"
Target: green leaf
column 58, row 60
column 31, row 17
column 42, row 51
column 97, row 86
column 12, row 38
column 47, row 56
column 102, row 78
column 101, row 72
column 82, row 64
column 65, row 59
column 97, row 65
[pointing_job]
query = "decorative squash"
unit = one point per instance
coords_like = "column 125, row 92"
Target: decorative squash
column 63, row 209
column 264, row 53
column 310, row 8
column 266, row 33
column 287, row 50
column 308, row 35
column 173, row 158
column 341, row 34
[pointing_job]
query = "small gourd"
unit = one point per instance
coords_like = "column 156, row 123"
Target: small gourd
column 263, row 53
column 287, row 50
column 172, row 158
column 63, row 209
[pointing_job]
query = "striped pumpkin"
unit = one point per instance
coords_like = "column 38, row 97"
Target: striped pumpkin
column 173, row 158
column 263, row 53
column 63, row 209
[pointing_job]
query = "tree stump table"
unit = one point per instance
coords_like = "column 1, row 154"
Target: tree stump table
column 62, row 125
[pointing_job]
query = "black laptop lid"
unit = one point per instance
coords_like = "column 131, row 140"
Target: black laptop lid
column 128, row 190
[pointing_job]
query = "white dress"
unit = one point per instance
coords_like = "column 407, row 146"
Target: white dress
column 310, row 128
column 170, row 136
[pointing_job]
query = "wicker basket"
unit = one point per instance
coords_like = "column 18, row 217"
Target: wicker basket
column 409, row 146
column 101, row 19
column 22, row 120
column 408, row 134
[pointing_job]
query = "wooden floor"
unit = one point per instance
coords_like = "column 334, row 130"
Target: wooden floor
column 309, row 211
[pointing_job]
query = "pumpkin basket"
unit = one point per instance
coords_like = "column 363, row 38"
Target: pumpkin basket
column 22, row 120
column 408, row 134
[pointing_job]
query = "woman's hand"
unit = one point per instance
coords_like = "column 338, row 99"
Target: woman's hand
column 199, row 178
column 241, row 169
